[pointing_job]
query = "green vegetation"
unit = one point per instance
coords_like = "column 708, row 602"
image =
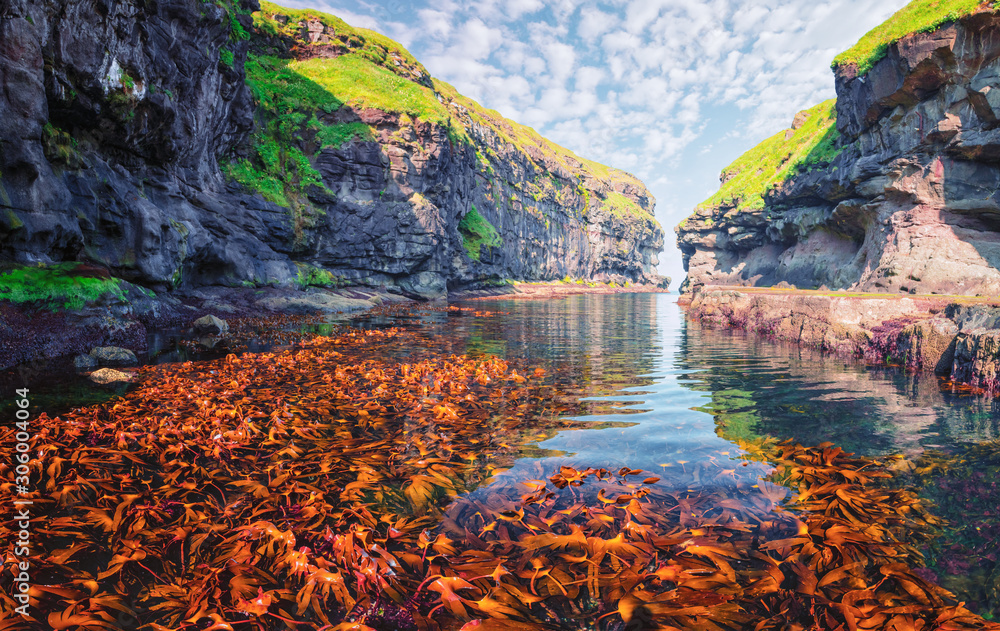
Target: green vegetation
column 919, row 16
column 477, row 232
column 278, row 169
column 778, row 158
column 311, row 276
column 60, row 147
column 226, row 58
column 337, row 135
column 374, row 46
column 623, row 207
column 359, row 82
column 56, row 286
column 525, row 138
column 372, row 71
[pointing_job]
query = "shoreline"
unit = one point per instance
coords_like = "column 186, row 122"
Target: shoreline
column 556, row 289
column 30, row 336
column 957, row 337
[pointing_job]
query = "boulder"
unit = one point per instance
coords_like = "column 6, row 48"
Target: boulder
column 211, row 325
column 109, row 376
column 425, row 286
column 114, row 356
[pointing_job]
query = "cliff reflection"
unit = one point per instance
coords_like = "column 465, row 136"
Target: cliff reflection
column 760, row 387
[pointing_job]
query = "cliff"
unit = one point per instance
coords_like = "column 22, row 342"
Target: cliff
column 179, row 144
column 900, row 195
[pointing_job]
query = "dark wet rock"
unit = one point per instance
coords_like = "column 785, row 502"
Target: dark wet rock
column 114, row 356
column 85, row 362
column 211, row 325
column 109, row 376
column 425, row 285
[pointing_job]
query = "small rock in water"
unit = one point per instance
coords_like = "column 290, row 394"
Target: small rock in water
column 85, row 362
column 211, row 325
column 107, row 376
column 114, row 356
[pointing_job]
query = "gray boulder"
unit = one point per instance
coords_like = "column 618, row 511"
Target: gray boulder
column 425, row 286
column 211, row 325
column 114, row 356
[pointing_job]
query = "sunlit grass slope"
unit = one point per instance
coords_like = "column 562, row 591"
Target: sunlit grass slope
column 369, row 71
column 779, row 158
column 920, row 16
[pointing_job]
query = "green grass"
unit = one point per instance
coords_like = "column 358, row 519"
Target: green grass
column 376, row 47
column 476, row 232
column 524, row 138
column 55, row 287
column 919, row 16
column 278, row 88
column 362, row 84
column 338, row 135
column 623, row 207
column 776, row 159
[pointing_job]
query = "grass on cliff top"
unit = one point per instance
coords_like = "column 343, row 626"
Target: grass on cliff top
column 62, row 286
column 919, row 16
column 361, row 84
column 620, row 206
column 367, row 78
column 376, row 47
column 776, row 159
column 476, row 232
column 532, row 144
column 525, row 137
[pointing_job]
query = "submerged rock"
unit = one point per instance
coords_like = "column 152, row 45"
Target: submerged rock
column 109, row 376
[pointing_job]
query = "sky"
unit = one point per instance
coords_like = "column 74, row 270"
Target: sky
column 669, row 90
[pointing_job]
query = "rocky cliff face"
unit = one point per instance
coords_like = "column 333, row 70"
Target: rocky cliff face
column 133, row 138
column 910, row 203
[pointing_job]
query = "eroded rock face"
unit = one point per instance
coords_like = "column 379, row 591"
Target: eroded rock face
column 910, row 205
column 114, row 118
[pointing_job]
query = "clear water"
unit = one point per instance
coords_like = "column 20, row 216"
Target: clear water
column 658, row 392
column 672, row 382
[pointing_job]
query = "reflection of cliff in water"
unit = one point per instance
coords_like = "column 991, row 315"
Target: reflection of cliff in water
column 762, row 387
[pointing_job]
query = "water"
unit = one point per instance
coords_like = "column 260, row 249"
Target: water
column 667, row 395
column 640, row 363
column 628, row 382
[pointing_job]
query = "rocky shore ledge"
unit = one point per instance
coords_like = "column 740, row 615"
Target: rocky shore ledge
column 953, row 336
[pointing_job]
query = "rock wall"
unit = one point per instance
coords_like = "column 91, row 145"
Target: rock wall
column 114, row 118
column 909, row 205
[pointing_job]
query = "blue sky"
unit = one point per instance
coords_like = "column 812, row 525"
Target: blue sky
column 670, row 90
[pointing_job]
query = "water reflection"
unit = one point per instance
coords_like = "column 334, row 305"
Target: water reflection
column 683, row 386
